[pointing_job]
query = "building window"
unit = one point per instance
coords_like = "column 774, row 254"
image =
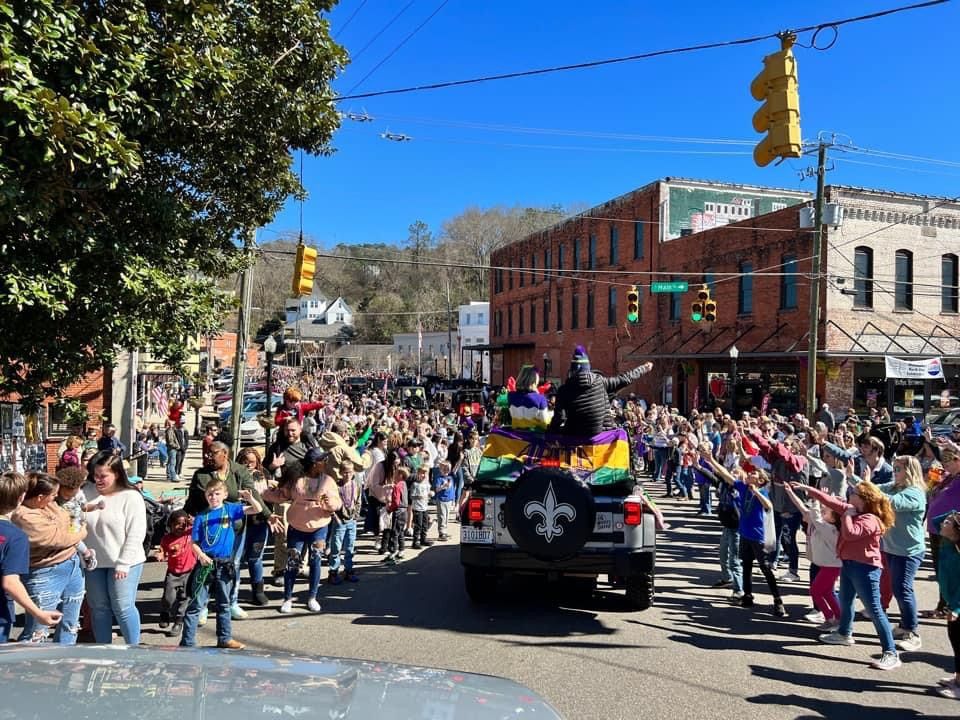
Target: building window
column 510, row 277
column 638, row 240
column 480, row 319
column 498, row 281
column 546, row 262
column 533, row 268
column 745, row 294
column 788, row 283
column 576, row 254
column 863, row 277
column 903, row 288
column 612, row 306
column 614, row 245
column 590, row 309
column 592, row 252
column 949, row 290
column 467, row 320
column 533, row 316
column 559, row 312
column 574, row 311
column 675, row 301
column 520, row 323
column 510, row 321
column 498, row 325
column 521, row 274
column 546, row 314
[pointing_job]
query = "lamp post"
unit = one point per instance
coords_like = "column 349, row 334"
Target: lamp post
column 269, row 347
column 734, row 354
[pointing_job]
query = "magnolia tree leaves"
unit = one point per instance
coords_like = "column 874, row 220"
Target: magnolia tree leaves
column 139, row 142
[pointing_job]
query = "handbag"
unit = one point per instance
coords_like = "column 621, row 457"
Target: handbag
column 769, row 532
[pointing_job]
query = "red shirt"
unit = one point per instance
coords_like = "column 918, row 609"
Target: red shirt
column 297, row 411
column 179, row 553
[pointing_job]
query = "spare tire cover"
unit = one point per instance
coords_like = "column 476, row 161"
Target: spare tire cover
column 550, row 513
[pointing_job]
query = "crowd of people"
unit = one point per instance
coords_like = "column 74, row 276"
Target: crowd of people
column 342, row 468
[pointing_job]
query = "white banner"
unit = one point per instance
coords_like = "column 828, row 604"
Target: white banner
column 931, row 369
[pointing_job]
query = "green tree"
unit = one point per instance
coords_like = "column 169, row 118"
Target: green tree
column 139, row 141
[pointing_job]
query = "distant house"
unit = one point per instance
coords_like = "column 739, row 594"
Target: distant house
column 474, row 339
column 316, row 307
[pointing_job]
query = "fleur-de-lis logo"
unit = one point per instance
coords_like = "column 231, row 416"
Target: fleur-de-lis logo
column 551, row 512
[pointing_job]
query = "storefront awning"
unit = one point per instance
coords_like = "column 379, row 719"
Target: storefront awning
column 872, row 342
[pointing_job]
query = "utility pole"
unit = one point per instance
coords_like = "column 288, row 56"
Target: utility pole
column 240, row 354
column 815, row 284
column 449, row 334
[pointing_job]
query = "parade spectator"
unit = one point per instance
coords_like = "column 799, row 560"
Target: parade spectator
column 948, row 579
column 343, row 533
column 176, row 549
column 942, row 498
column 294, row 406
column 55, row 581
column 109, row 442
column 172, row 440
column 116, row 534
column 528, row 409
column 444, row 495
column 397, row 510
column 420, row 493
column 258, row 528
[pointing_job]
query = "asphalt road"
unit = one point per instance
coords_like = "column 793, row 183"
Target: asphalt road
column 693, row 655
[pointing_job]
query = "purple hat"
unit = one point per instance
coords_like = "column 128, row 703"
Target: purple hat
column 580, row 362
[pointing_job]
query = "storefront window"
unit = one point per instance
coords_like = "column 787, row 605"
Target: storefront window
column 869, row 386
column 907, row 397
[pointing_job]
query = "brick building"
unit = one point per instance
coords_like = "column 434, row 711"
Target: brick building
column 749, row 245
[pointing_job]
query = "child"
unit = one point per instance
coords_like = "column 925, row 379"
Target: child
column 71, row 498
column 176, row 547
column 822, row 536
column 213, row 541
column 444, row 492
column 15, row 559
column 397, row 507
column 948, row 577
column 420, row 493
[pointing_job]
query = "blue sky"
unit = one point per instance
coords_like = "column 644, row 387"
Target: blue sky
column 887, row 84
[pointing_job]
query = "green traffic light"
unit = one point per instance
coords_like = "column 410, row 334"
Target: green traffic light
column 632, row 317
column 696, row 317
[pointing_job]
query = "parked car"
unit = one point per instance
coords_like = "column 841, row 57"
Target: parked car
column 251, row 408
column 944, row 422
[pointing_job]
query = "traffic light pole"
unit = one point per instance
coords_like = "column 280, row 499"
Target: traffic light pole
column 240, row 353
column 815, row 285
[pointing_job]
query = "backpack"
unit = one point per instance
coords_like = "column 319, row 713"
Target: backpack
column 728, row 510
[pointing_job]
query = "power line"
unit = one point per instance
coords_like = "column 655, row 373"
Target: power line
column 896, row 167
column 639, row 56
column 399, row 45
column 899, row 156
column 350, row 19
column 381, row 31
column 581, row 148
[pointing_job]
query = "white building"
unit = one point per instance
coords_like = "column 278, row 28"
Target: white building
column 474, row 332
column 433, row 351
column 316, row 308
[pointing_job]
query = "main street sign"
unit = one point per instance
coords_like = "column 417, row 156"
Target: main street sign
column 673, row 286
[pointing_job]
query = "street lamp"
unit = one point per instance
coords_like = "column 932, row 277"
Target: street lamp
column 734, row 354
column 269, row 347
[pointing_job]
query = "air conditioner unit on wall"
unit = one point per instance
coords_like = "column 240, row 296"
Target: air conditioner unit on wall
column 832, row 216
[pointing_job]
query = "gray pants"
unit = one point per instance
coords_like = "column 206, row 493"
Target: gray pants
column 173, row 604
column 444, row 508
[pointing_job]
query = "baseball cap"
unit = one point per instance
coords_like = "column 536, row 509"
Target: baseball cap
column 314, row 455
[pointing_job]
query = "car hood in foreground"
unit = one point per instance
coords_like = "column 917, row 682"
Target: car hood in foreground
column 100, row 681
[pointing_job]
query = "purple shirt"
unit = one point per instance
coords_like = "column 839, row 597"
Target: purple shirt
column 945, row 497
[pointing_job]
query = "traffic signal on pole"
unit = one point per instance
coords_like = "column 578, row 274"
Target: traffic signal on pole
column 710, row 310
column 304, row 270
column 779, row 116
column 697, row 307
column 633, row 305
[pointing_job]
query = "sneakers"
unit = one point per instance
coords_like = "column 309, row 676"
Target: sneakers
column 352, row 577
column 389, row 559
column 888, row 661
column 746, row 601
column 89, row 560
column 949, row 691
column 911, row 643
column 948, row 682
column 399, row 556
column 416, row 546
column 779, row 610
column 444, row 538
column 835, row 638
column 164, row 620
column 829, row 626
column 175, row 630
column 313, row 605
column 721, row 583
column 231, row 645
column 900, row 633
column 736, row 596
column 286, row 607
column 816, row 617
column 202, row 620
column 237, row 613
column 789, row 577
column 427, row 543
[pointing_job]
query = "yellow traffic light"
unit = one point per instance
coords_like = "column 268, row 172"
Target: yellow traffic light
column 710, row 310
column 304, row 270
column 779, row 116
column 633, row 305
column 698, row 305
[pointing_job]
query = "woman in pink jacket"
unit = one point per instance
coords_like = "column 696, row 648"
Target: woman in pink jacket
column 863, row 521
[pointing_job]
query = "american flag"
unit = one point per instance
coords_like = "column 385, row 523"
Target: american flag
column 160, row 400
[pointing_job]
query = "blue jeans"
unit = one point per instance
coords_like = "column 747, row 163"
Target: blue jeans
column 297, row 541
column 660, row 455
column 253, row 547
column 902, row 572
column 172, row 465
column 731, row 567
column 786, row 528
column 860, row 579
column 343, row 536
column 221, row 576
column 706, row 499
column 59, row 587
column 239, row 545
column 110, row 598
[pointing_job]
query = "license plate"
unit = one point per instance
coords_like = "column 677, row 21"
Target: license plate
column 476, row 535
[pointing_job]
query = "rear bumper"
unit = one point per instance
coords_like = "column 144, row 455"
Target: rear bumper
column 618, row 562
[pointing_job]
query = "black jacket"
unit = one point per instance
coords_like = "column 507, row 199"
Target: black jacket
column 583, row 408
column 238, row 478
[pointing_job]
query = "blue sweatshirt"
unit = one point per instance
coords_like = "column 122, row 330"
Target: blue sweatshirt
column 907, row 537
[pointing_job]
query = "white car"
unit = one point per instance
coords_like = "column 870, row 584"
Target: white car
column 252, row 433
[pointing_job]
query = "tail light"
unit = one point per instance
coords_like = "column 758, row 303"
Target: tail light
column 632, row 512
column 475, row 510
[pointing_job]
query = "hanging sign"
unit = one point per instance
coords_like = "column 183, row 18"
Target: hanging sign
column 931, row 369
